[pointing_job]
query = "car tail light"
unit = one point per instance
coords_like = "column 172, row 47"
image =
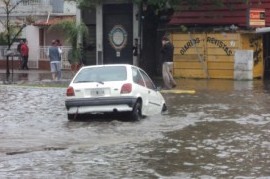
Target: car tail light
column 70, row 91
column 126, row 88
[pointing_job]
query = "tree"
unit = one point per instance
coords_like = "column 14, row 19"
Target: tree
column 11, row 30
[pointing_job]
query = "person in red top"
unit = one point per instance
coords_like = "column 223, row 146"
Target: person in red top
column 24, row 53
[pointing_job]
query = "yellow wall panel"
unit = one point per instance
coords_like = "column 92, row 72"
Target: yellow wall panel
column 189, row 73
column 186, row 37
column 222, row 74
column 220, row 66
column 190, row 51
column 258, row 70
column 217, row 51
column 181, row 44
column 188, row 65
column 193, row 57
column 220, row 58
column 230, row 45
column 224, row 36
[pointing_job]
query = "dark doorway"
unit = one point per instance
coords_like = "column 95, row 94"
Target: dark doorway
column 117, row 33
column 266, row 55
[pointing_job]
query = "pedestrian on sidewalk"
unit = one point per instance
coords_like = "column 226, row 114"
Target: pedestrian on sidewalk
column 20, row 53
column 55, row 61
column 167, row 63
column 59, row 45
column 24, row 54
column 60, row 49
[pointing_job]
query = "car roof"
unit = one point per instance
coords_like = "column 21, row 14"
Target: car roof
column 106, row 65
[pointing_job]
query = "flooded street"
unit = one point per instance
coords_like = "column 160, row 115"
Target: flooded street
column 221, row 131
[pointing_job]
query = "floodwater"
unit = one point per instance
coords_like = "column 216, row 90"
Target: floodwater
column 221, row 131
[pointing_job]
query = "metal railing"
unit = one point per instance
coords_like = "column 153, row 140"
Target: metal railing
column 43, row 55
column 30, row 7
column 34, row 2
column 43, row 51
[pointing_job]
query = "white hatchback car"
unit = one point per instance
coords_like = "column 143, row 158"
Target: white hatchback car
column 112, row 89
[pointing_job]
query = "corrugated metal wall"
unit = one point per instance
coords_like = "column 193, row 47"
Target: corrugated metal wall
column 233, row 12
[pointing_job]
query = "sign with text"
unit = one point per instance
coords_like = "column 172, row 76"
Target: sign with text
column 256, row 17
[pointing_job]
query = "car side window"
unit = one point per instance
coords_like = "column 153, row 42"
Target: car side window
column 137, row 78
column 148, row 82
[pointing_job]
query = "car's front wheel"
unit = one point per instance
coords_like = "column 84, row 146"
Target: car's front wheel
column 136, row 113
column 164, row 108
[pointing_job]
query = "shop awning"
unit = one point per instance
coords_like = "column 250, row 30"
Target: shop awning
column 53, row 20
column 262, row 30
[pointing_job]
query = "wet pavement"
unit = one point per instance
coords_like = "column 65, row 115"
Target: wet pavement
column 221, row 131
column 31, row 77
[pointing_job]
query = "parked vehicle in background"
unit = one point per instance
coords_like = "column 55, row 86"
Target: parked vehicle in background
column 114, row 88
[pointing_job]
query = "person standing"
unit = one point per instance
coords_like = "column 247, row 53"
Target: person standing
column 59, row 45
column 167, row 63
column 55, row 61
column 19, row 53
column 135, row 50
column 24, row 54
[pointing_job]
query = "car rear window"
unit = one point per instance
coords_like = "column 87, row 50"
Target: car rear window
column 102, row 74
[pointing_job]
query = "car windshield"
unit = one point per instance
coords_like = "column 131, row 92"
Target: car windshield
column 102, row 74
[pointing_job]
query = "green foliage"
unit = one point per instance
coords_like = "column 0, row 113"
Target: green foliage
column 74, row 55
column 72, row 31
column 88, row 3
column 11, row 30
column 3, row 38
column 12, row 34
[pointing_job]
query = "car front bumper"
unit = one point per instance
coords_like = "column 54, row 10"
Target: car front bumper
column 100, row 105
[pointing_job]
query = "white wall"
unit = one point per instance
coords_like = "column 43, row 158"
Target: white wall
column 136, row 32
column 99, row 34
column 32, row 36
column 70, row 7
column 243, row 65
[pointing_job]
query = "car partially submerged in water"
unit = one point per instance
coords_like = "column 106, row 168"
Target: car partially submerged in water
column 117, row 88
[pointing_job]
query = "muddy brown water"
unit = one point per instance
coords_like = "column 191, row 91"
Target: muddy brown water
column 221, row 131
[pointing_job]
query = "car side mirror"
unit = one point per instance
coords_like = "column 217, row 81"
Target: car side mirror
column 158, row 88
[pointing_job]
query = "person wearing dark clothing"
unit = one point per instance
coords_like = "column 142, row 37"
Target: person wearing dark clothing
column 135, row 47
column 167, row 63
column 24, row 54
column 19, row 53
column 19, row 46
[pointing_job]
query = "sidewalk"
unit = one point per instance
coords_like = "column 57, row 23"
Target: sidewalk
column 33, row 76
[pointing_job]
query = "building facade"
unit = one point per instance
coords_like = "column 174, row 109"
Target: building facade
column 230, row 41
column 38, row 15
column 113, row 28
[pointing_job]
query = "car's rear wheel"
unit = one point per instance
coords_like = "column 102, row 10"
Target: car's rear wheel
column 136, row 113
column 72, row 117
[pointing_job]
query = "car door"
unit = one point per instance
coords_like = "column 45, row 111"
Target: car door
column 154, row 100
column 141, row 89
